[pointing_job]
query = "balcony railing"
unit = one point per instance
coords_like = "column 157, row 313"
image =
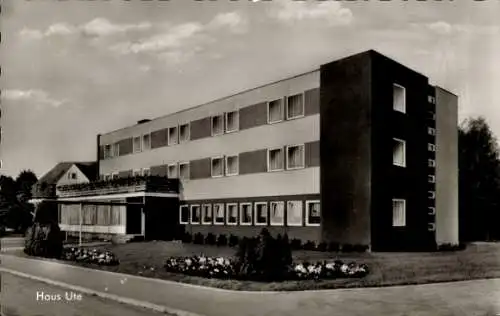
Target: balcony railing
column 120, row 186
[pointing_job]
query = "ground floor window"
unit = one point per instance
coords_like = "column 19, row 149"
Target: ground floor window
column 398, row 213
column 261, row 213
column 219, row 213
column 207, row 216
column 246, row 214
column 195, row 214
column 313, row 213
column 184, row 214
column 277, row 216
column 294, row 211
column 232, row 213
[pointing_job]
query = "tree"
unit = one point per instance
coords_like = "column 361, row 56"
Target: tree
column 24, row 183
column 479, row 181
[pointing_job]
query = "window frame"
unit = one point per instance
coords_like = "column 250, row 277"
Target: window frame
column 404, row 212
column 188, row 170
column 212, row 125
column 282, row 111
column 169, row 143
column 134, row 149
column 403, row 142
column 431, row 210
column 431, row 131
column 255, row 213
column 309, row 202
column 241, row 214
column 227, row 214
column 115, row 150
column 226, row 164
column 180, row 214
column 431, row 195
column 431, row 147
column 301, row 213
column 188, row 137
column 142, row 140
column 221, row 158
column 136, row 173
column 191, row 214
column 269, row 159
column 108, row 152
column 303, row 98
column 203, row 222
column 403, row 89
column 114, row 175
column 223, row 214
column 303, row 157
column 431, row 178
column 431, row 163
column 226, row 116
column 271, row 222
column 431, row 227
column 176, row 170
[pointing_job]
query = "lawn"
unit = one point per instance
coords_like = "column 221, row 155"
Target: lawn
column 481, row 260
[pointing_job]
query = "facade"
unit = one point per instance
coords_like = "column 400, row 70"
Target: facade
column 362, row 151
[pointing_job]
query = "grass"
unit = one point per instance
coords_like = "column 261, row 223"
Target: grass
column 478, row 261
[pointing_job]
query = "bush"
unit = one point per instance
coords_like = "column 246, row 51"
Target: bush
column 333, row 247
column 198, row 239
column 44, row 240
column 95, row 256
column 2, row 231
column 187, row 238
column 360, row 248
column 210, row 239
column 322, row 246
column 233, row 240
column 451, row 247
column 309, row 245
column 347, row 248
column 222, row 240
column 296, row 244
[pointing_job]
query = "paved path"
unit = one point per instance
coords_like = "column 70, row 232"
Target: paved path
column 18, row 298
column 479, row 297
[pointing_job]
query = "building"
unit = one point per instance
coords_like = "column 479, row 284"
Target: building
column 361, row 151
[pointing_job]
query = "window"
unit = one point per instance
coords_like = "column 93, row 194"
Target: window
column 399, row 152
column 431, row 115
column 313, row 213
column 431, row 163
column 195, row 214
column 261, row 213
column 232, row 213
column 398, row 213
column 173, row 137
column 114, row 175
column 246, row 214
column 294, row 213
column 232, row 165
column 172, row 171
column 146, row 172
column 277, row 210
column 232, row 121
column 107, row 152
column 184, row 133
column 431, row 147
column 399, row 98
column 431, row 227
column 72, row 175
column 137, row 144
column 432, row 210
column 219, row 214
column 136, row 173
column 275, row 111
column 217, row 125
column 184, row 214
column 431, row 99
column 217, row 167
column 295, row 106
column 116, row 149
column 275, row 159
column 207, row 216
column 431, row 131
column 146, row 142
column 431, row 178
column 295, row 157
column 184, row 170
column 431, row 195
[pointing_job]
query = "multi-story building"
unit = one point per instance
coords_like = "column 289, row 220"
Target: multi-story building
column 361, row 151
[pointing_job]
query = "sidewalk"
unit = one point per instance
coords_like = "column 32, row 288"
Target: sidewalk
column 479, row 297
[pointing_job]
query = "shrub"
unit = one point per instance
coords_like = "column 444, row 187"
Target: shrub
column 360, row 248
column 187, row 238
column 347, row 248
column 95, row 256
column 210, row 239
column 44, row 237
column 333, row 247
column 233, row 240
column 322, row 246
column 296, row 244
column 198, row 239
column 309, row 245
column 2, row 231
column 451, row 247
column 222, row 240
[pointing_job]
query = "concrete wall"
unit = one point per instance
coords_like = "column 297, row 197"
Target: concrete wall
column 446, row 167
column 94, row 229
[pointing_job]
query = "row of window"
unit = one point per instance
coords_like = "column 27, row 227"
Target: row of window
column 290, row 107
column 399, row 212
column 248, row 214
column 229, row 165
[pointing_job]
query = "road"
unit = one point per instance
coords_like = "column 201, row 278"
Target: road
column 18, row 298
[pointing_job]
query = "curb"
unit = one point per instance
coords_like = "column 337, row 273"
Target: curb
column 120, row 299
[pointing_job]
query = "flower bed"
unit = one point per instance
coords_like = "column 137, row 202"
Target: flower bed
column 227, row 269
column 94, row 256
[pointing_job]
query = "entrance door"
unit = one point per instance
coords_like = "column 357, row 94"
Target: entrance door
column 134, row 219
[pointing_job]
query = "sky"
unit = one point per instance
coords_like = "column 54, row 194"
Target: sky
column 74, row 69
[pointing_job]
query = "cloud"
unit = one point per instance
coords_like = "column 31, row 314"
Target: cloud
column 331, row 12
column 233, row 20
column 445, row 28
column 98, row 27
column 39, row 97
